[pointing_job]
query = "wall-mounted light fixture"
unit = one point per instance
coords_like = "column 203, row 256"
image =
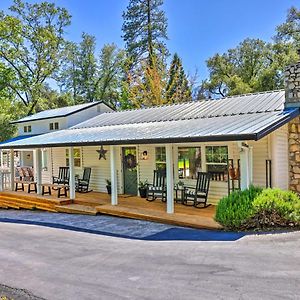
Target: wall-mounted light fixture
column 144, row 155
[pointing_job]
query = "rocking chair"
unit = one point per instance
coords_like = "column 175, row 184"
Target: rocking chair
column 197, row 196
column 158, row 188
column 63, row 176
column 82, row 185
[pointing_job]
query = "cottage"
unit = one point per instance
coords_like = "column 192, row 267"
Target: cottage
column 240, row 140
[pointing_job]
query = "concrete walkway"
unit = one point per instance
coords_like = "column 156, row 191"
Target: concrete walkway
column 62, row 264
column 115, row 226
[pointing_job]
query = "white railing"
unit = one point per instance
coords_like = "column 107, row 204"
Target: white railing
column 4, row 179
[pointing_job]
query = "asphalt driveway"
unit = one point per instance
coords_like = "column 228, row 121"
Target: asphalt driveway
column 55, row 263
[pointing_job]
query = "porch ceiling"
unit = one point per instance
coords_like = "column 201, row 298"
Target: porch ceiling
column 251, row 126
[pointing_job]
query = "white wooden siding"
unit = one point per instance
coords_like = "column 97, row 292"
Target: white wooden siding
column 101, row 168
column 260, row 155
column 280, row 158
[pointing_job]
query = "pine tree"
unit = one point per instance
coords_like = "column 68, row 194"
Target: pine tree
column 145, row 30
column 178, row 88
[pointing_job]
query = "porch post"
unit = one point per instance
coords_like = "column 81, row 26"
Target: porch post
column 170, row 179
column 113, row 172
column 72, row 173
column 1, row 158
column 245, row 172
column 37, row 165
column 250, row 165
column 12, row 169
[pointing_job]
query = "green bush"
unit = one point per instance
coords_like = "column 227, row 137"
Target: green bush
column 275, row 207
column 234, row 209
column 256, row 208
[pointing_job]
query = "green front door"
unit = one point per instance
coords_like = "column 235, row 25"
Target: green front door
column 129, row 170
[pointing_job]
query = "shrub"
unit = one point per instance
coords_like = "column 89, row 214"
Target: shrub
column 256, row 208
column 275, row 208
column 234, row 209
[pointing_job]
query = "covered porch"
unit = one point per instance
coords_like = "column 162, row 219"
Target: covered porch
column 94, row 203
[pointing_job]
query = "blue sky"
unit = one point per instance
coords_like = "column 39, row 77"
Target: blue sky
column 197, row 28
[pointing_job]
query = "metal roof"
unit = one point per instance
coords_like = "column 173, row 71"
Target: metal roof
column 238, row 105
column 246, row 117
column 18, row 138
column 56, row 112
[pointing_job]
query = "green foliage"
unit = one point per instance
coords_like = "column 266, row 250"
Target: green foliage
column 143, row 184
column 256, row 208
column 7, row 130
column 253, row 66
column 289, row 31
column 144, row 30
column 89, row 78
column 177, row 89
column 31, row 37
column 285, row 203
column 234, row 209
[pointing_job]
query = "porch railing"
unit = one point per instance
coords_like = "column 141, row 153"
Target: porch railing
column 234, row 175
column 268, row 173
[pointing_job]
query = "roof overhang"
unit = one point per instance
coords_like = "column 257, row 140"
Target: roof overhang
column 225, row 128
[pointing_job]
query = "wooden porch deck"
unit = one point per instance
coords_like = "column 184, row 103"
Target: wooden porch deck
column 128, row 206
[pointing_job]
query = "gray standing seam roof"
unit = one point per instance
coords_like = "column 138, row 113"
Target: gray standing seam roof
column 56, row 112
column 245, row 117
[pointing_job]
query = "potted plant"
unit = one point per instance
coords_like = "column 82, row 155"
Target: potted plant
column 108, row 186
column 143, row 188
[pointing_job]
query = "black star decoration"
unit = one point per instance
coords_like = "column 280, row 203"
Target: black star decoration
column 102, row 153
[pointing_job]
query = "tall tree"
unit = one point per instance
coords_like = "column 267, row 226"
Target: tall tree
column 145, row 30
column 89, row 77
column 31, row 40
column 253, row 66
column 111, row 74
column 178, row 88
column 149, row 89
column 289, row 31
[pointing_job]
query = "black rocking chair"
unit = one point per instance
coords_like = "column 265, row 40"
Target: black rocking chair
column 63, row 176
column 158, row 188
column 82, row 185
column 198, row 195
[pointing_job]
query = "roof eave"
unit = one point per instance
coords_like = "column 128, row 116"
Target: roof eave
column 293, row 114
column 65, row 115
column 219, row 138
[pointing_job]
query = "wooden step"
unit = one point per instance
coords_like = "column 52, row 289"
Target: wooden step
column 24, row 203
column 11, row 205
column 76, row 209
column 35, row 197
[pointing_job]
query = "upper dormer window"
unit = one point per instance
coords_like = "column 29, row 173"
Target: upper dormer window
column 54, row 126
column 27, row 128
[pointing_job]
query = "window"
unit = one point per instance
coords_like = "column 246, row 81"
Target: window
column 160, row 158
column 45, row 160
column 189, row 162
column 54, row 126
column 216, row 162
column 27, row 128
column 77, row 157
